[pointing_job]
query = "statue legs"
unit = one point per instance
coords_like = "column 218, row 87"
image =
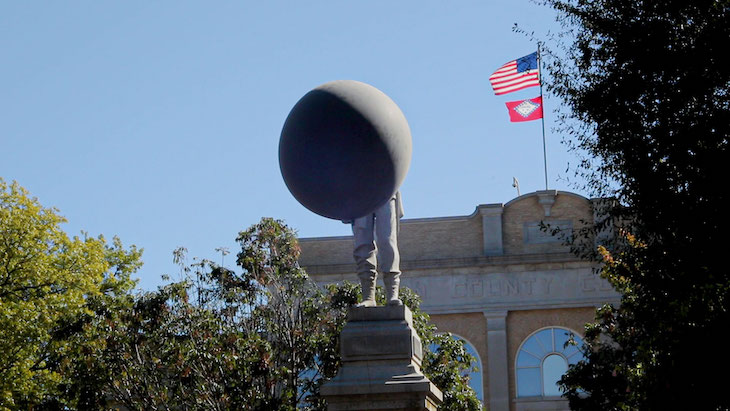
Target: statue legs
column 364, row 252
column 392, row 287
column 377, row 234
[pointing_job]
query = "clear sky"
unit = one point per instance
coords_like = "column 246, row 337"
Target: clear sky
column 159, row 121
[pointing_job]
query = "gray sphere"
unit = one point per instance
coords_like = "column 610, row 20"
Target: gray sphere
column 345, row 149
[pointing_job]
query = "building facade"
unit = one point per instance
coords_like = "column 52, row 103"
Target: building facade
column 498, row 280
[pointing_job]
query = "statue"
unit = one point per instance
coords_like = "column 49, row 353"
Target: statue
column 344, row 151
column 376, row 246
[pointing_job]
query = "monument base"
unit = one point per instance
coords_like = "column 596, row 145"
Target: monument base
column 381, row 364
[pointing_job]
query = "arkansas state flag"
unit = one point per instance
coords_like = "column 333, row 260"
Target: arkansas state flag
column 525, row 110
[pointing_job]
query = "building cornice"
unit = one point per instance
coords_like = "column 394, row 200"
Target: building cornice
column 445, row 263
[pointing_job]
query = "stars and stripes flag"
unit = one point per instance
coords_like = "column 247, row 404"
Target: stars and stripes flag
column 525, row 110
column 517, row 74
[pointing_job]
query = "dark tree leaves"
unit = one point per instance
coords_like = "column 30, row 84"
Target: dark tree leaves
column 264, row 337
column 645, row 88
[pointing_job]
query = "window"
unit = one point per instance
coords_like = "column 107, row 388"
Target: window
column 543, row 359
column 475, row 377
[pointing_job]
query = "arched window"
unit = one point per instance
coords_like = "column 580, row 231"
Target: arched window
column 475, row 377
column 543, row 359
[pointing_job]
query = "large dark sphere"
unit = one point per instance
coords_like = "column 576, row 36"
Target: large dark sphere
column 345, row 149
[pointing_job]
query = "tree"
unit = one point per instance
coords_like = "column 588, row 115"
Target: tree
column 305, row 322
column 48, row 283
column 85, row 373
column 446, row 360
column 646, row 92
column 265, row 337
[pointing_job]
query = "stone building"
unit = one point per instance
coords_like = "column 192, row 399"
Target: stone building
column 511, row 290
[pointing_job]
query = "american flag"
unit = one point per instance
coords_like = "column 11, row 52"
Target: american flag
column 516, row 75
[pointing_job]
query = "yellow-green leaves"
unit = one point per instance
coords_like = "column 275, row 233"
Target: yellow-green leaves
column 44, row 276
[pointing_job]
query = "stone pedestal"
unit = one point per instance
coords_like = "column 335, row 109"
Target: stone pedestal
column 381, row 364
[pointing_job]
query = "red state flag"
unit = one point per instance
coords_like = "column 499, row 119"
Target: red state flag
column 525, row 110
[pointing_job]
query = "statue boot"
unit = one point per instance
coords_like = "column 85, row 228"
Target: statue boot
column 392, row 285
column 368, row 292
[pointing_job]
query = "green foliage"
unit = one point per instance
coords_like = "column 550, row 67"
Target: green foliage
column 166, row 353
column 85, row 372
column 258, row 339
column 445, row 361
column 646, row 92
column 447, row 365
column 74, row 336
column 50, row 286
column 264, row 338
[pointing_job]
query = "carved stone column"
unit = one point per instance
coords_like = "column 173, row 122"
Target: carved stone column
column 381, row 364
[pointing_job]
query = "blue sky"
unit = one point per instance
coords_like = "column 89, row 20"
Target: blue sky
column 159, row 121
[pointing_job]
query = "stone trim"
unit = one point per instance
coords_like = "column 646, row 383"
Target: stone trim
column 546, row 198
column 492, row 228
column 557, row 192
column 456, row 262
column 541, row 404
column 433, row 310
column 497, row 366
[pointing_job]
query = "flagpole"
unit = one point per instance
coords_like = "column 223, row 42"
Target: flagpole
column 544, row 149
